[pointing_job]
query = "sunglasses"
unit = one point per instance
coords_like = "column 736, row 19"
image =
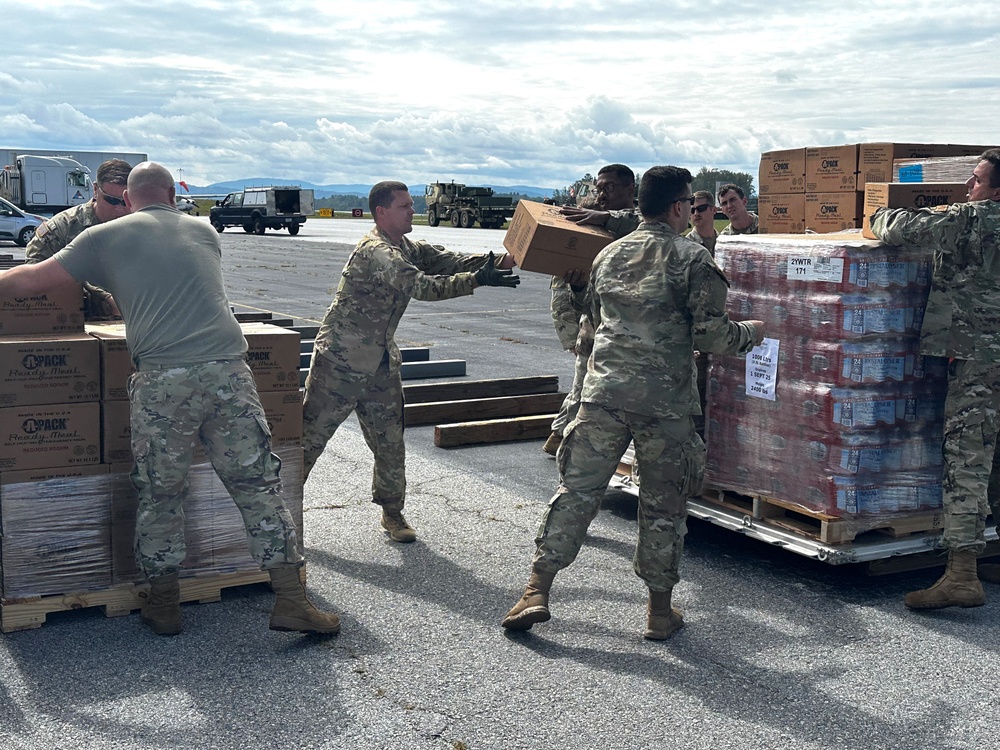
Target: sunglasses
column 111, row 199
column 701, row 209
column 689, row 199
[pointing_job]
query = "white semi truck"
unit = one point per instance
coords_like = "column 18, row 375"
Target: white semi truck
column 46, row 184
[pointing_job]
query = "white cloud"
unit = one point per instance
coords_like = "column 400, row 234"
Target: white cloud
column 513, row 93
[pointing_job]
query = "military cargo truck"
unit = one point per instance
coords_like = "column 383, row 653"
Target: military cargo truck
column 463, row 206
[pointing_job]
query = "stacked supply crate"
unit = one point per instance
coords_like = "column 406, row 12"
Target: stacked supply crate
column 845, row 416
column 214, row 532
column 822, row 189
column 54, row 515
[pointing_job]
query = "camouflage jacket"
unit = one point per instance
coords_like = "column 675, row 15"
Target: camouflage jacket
column 376, row 285
column 963, row 311
column 706, row 242
column 567, row 307
column 655, row 297
column 53, row 235
column 752, row 229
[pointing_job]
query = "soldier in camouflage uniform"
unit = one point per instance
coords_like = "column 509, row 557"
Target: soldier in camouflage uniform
column 654, row 296
column 191, row 386
column 962, row 322
column 615, row 211
column 703, row 219
column 106, row 205
column 733, row 202
column 355, row 363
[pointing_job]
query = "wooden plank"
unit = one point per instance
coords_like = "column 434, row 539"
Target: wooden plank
column 493, row 431
column 442, row 412
column 465, row 389
column 25, row 614
column 442, row 368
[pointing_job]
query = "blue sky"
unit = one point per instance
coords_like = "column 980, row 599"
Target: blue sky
column 506, row 93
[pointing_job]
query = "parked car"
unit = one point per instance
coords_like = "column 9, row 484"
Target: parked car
column 17, row 225
column 187, row 205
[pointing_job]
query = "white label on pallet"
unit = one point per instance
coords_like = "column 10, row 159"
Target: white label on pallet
column 762, row 370
column 810, row 268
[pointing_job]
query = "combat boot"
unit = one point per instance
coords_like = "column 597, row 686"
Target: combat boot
column 958, row 587
column 989, row 572
column 394, row 523
column 533, row 606
column 161, row 605
column 292, row 608
column 551, row 445
column 662, row 620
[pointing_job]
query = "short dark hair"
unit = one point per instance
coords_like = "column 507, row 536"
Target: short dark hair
column 731, row 186
column 113, row 172
column 661, row 186
column 704, row 195
column 622, row 174
column 992, row 155
column 381, row 194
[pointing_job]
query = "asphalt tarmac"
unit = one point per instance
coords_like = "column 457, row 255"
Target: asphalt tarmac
column 778, row 651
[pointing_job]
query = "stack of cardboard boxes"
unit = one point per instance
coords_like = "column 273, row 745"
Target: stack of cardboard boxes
column 67, row 504
column 833, row 188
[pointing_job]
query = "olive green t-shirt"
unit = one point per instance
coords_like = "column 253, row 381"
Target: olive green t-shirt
column 164, row 270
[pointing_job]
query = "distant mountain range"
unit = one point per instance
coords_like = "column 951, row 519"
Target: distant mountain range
column 325, row 191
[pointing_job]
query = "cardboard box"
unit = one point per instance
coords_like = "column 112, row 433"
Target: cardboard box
column 49, row 369
column 116, row 432
column 542, row 240
column 38, row 437
column 832, row 169
column 875, row 160
column 56, row 311
column 116, row 362
column 283, row 410
column 781, row 213
column 273, row 356
column 833, row 212
column 909, row 195
column 782, row 172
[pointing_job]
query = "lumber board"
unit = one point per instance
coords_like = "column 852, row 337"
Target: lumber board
column 441, row 368
column 423, row 393
column 493, row 431
column 442, row 412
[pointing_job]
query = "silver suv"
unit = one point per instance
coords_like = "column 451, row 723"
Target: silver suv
column 16, row 225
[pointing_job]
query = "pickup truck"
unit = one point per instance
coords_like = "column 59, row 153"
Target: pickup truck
column 259, row 208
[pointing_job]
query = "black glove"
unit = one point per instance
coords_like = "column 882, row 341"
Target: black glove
column 490, row 275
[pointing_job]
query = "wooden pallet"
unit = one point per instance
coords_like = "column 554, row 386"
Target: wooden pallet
column 824, row 527
column 26, row 614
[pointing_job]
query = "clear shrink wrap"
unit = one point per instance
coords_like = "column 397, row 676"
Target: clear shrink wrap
column 855, row 424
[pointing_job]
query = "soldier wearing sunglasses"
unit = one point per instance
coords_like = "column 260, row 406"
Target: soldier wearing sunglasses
column 703, row 218
column 107, row 204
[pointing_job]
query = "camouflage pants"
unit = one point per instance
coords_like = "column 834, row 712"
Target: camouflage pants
column 971, row 473
column 671, row 463
column 216, row 404
column 332, row 394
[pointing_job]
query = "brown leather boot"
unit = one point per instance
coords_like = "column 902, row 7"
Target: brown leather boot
column 399, row 530
column 989, row 572
column 662, row 620
column 292, row 609
column 533, row 606
column 551, row 445
column 958, row 587
column 161, row 605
